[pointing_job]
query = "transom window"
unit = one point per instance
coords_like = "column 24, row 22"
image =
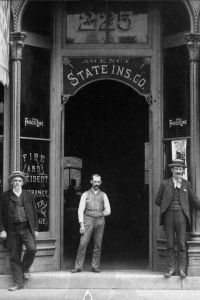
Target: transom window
column 103, row 22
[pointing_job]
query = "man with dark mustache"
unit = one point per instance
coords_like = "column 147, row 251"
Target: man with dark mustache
column 174, row 198
column 93, row 208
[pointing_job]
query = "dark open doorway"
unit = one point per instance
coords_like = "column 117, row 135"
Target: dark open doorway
column 107, row 126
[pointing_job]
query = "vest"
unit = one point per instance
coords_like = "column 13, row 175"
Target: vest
column 175, row 203
column 20, row 213
column 94, row 206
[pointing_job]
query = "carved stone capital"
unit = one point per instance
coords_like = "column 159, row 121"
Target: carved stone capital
column 17, row 43
column 193, row 44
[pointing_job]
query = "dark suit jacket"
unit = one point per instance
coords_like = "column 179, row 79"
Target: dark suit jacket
column 165, row 196
column 7, row 212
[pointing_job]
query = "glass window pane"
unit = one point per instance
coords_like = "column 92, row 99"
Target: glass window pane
column 176, row 92
column 128, row 23
column 1, row 108
column 97, row 22
column 35, row 164
column 86, row 23
column 38, row 17
column 1, row 134
column 168, row 158
column 175, row 17
column 35, row 92
column 1, row 165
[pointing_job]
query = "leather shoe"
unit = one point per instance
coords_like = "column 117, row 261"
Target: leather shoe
column 95, row 270
column 169, row 274
column 182, row 274
column 76, row 270
column 15, row 288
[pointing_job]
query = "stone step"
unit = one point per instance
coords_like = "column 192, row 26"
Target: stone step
column 98, row 294
column 106, row 280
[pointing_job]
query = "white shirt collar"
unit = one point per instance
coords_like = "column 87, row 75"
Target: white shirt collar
column 177, row 182
column 95, row 191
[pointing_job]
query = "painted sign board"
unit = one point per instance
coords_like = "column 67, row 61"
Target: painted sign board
column 79, row 71
column 35, row 167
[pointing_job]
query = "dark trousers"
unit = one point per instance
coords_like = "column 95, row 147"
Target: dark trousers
column 175, row 226
column 21, row 236
column 95, row 226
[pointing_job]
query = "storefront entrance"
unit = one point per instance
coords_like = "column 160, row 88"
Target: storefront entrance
column 107, row 127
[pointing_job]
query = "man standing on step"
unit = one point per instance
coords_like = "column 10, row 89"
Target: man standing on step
column 94, row 206
column 174, row 198
column 18, row 226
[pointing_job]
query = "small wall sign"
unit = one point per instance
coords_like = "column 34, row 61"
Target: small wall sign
column 177, row 122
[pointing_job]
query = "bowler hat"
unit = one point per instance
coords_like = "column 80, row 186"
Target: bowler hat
column 17, row 174
column 177, row 163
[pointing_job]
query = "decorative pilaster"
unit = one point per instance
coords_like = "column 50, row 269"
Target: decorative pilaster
column 194, row 240
column 16, row 43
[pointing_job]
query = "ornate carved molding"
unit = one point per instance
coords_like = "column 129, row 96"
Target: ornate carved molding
column 192, row 14
column 17, row 8
column 15, row 114
column 192, row 5
column 17, row 43
column 17, row 108
column 193, row 43
column 195, row 5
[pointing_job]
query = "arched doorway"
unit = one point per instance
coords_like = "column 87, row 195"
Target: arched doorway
column 107, row 126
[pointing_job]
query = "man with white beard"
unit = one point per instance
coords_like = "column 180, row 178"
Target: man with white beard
column 19, row 226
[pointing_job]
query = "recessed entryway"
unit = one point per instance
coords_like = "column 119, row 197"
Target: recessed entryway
column 107, row 127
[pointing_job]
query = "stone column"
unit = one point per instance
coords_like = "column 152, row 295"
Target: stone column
column 193, row 43
column 16, row 43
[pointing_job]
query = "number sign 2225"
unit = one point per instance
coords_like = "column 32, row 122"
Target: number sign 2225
column 122, row 21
